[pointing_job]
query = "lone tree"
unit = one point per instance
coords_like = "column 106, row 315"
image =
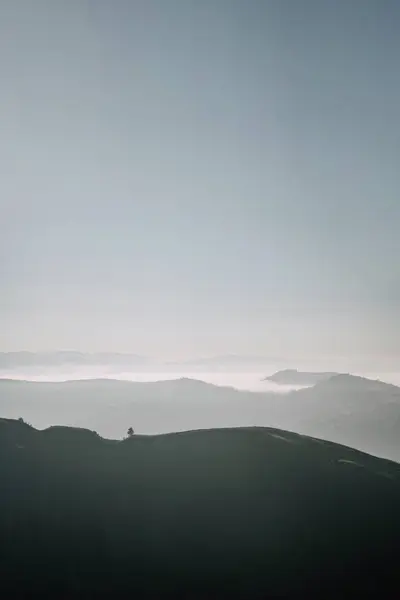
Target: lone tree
column 130, row 432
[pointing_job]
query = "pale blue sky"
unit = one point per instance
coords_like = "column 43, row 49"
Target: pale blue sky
column 183, row 177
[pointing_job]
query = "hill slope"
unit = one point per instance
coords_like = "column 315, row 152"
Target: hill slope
column 346, row 409
column 295, row 377
column 351, row 410
column 248, row 513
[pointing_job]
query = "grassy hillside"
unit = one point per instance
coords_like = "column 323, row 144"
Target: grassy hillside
column 248, row 513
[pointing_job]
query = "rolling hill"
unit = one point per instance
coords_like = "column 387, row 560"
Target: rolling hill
column 346, row 409
column 351, row 410
column 232, row 513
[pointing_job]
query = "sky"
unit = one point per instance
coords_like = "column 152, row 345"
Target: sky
column 197, row 177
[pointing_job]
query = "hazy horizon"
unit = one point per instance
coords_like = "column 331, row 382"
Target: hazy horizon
column 241, row 373
column 361, row 363
column 201, row 178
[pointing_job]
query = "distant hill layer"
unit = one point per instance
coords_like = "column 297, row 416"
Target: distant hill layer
column 246, row 513
column 15, row 360
column 228, row 360
column 294, row 377
column 21, row 359
column 355, row 411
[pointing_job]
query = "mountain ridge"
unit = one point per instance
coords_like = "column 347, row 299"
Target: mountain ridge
column 295, row 377
column 353, row 411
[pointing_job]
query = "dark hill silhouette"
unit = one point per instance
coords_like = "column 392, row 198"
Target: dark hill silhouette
column 351, row 410
column 295, row 377
column 246, row 513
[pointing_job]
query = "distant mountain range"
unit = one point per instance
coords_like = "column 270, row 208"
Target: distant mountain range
column 227, row 362
column 70, row 359
column 228, row 359
column 295, row 377
column 346, row 409
column 352, row 410
column 15, row 360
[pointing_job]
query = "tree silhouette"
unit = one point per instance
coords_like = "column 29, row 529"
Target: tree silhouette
column 130, row 432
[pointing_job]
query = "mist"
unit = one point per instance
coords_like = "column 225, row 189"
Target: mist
column 243, row 373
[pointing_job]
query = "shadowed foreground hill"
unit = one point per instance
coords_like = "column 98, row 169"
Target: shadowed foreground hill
column 250, row 513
